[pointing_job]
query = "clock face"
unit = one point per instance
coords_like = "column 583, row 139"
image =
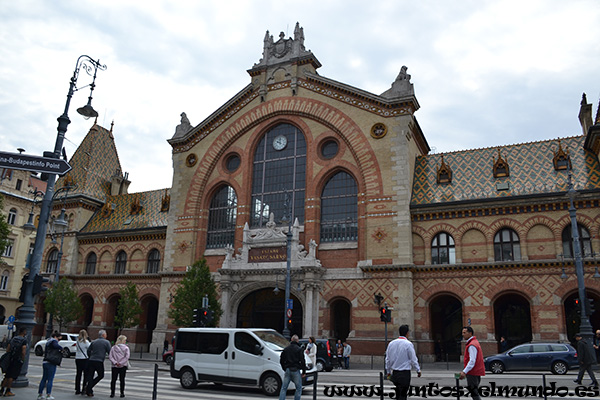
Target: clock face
column 279, row 142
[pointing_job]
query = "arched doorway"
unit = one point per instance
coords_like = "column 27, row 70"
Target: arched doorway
column 110, row 312
column 445, row 313
column 340, row 319
column 87, row 303
column 265, row 309
column 512, row 319
column 148, row 319
column 572, row 316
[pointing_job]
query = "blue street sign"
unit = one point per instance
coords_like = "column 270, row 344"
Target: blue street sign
column 9, row 326
column 11, row 318
column 290, row 304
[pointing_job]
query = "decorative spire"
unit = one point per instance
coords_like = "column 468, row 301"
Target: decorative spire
column 111, row 125
column 583, row 99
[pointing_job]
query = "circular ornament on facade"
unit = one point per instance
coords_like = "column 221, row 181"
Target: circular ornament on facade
column 378, row 130
column 280, row 142
column 232, row 162
column 329, row 149
column 191, row 160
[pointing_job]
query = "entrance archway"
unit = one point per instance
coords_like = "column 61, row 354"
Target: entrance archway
column 265, row 309
column 572, row 316
column 512, row 319
column 87, row 303
column 111, row 311
column 148, row 319
column 340, row 319
column 445, row 312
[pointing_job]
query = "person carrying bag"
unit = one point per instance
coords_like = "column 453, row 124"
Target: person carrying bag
column 52, row 359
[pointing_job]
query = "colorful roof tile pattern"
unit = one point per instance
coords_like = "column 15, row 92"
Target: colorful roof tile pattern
column 531, row 172
column 94, row 163
column 133, row 211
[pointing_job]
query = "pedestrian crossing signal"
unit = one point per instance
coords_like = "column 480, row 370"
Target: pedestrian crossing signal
column 385, row 314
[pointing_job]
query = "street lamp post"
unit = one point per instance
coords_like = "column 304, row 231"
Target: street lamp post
column 26, row 314
column 288, row 276
column 58, row 226
column 585, row 328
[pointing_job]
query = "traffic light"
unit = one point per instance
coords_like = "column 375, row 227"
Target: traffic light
column 589, row 306
column 38, row 284
column 209, row 316
column 196, row 317
column 385, row 315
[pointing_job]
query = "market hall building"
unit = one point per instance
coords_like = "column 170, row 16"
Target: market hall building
column 476, row 237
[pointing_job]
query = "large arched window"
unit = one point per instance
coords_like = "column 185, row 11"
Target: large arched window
column 585, row 241
column 12, row 216
column 222, row 215
column 507, row 246
column 153, row 262
column 121, row 262
column 339, row 209
column 90, row 264
column 442, row 249
column 279, row 175
column 52, row 263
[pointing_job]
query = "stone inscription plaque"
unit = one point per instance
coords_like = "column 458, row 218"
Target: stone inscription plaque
column 267, row 254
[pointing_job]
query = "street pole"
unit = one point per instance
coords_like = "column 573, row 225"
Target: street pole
column 26, row 312
column 58, row 261
column 585, row 328
column 286, row 327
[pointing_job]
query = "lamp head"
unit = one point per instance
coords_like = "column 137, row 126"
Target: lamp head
column 29, row 227
column 60, row 223
column 88, row 111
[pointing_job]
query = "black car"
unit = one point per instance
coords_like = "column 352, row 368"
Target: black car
column 325, row 358
column 556, row 357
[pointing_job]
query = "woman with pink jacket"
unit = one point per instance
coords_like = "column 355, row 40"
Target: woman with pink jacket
column 119, row 358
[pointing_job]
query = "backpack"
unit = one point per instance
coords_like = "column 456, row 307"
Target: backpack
column 16, row 344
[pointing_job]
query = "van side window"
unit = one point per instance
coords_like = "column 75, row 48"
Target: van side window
column 202, row 342
column 213, row 343
column 245, row 342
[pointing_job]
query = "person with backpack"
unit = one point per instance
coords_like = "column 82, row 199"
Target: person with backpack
column 17, row 348
column 52, row 359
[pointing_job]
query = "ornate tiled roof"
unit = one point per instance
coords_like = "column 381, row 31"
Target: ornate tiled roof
column 131, row 211
column 94, row 163
column 531, row 171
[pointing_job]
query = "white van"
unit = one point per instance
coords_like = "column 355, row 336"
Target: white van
column 232, row 355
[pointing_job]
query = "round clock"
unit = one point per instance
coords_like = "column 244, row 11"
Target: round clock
column 279, row 142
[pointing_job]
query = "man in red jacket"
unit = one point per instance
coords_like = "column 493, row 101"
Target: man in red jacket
column 474, row 368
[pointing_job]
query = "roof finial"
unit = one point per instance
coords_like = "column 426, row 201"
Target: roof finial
column 583, row 99
column 96, row 120
column 111, row 125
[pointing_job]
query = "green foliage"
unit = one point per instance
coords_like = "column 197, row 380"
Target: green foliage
column 196, row 283
column 128, row 308
column 63, row 303
column 4, row 228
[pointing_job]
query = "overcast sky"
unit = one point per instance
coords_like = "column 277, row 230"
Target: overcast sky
column 486, row 73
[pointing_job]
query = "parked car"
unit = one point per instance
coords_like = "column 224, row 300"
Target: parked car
column 168, row 357
column 556, row 357
column 68, row 343
column 325, row 358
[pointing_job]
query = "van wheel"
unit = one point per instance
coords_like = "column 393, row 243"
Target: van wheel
column 66, row 352
column 188, row 379
column 271, row 384
column 39, row 351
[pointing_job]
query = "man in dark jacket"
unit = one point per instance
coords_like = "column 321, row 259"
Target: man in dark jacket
column 17, row 349
column 97, row 352
column 292, row 362
column 586, row 357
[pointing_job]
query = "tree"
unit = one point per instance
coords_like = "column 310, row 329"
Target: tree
column 62, row 302
column 128, row 308
column 197, row 283
column 4, row 228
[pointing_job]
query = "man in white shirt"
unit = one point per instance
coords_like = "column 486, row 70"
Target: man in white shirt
column 400, row 357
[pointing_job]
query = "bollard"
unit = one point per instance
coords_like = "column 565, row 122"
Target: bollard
column 315, row 386
column 155, row 388
column 157, row 353
column 381, row 385
column 371, row 361
column 141, row 353
column 447, row 363
column 457, row 377
column 544, row 386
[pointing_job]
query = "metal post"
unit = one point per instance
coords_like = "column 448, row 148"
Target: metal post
column 56, row 278
column 26, row 312
column 585, row 328
column 286, row 326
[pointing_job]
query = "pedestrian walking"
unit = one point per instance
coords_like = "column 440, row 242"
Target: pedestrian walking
column 597, row 345
column 97, row 352
column 586, row 357
column 311, row 350
column 81, row 361
column 339, row 352
column 17, row 348
column 346, row 354
column 292, row 362
column 119, row 359
column 400, row 358
column 474, row 368
column 52, row 359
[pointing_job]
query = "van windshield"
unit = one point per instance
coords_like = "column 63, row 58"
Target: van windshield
column 274, row 340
